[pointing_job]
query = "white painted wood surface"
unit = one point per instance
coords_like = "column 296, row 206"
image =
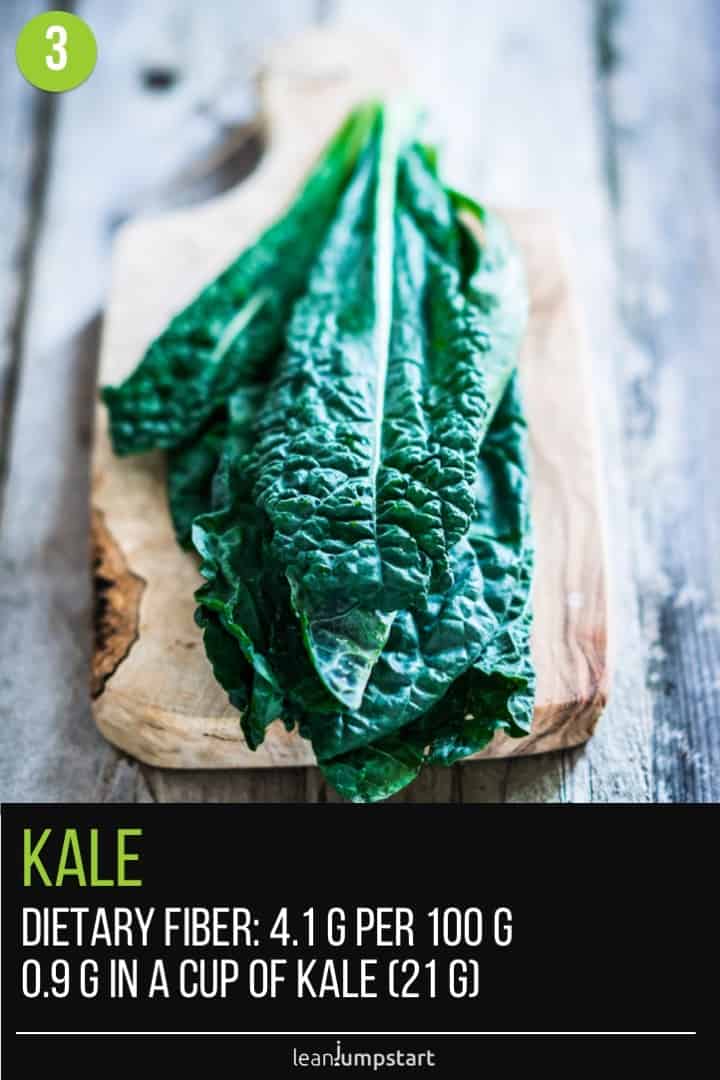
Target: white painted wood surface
column 605, row 111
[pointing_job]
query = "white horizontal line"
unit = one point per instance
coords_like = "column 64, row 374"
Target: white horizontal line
column 390, row 1034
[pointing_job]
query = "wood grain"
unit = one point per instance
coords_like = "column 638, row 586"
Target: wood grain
column 161, row 703
column 661, row 96
column 24, row 125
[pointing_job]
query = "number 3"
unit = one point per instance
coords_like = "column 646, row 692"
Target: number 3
column 58, row 36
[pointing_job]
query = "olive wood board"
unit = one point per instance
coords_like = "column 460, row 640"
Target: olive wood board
column 154, row 693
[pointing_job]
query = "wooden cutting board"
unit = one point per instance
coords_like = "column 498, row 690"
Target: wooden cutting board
column 154, row 693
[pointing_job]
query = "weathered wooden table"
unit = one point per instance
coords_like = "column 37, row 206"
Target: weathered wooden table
column 607, row 112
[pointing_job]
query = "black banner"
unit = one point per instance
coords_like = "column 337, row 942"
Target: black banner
column 328, row 925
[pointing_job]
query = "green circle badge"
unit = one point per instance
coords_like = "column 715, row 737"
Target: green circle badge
column 56, row 51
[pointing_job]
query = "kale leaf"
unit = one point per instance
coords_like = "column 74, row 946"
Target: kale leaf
column 461, row 668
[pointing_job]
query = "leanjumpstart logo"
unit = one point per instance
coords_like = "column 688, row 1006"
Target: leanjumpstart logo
column 362, row 1059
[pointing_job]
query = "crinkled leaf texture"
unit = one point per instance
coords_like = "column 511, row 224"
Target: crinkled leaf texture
column 356, row 481
column 368, row 438
column 462, row 669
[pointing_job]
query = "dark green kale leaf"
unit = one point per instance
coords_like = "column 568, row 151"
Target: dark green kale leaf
column 489, row 616
column 227, row 334
column 190, row 472
column 315, row 459
column 194, row 476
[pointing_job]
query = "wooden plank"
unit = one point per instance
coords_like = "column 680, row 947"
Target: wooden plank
column 662, row 107
column 117, row 139
column 158, row 699
column 24, row 131
column 513, row 95
column 24, row 123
